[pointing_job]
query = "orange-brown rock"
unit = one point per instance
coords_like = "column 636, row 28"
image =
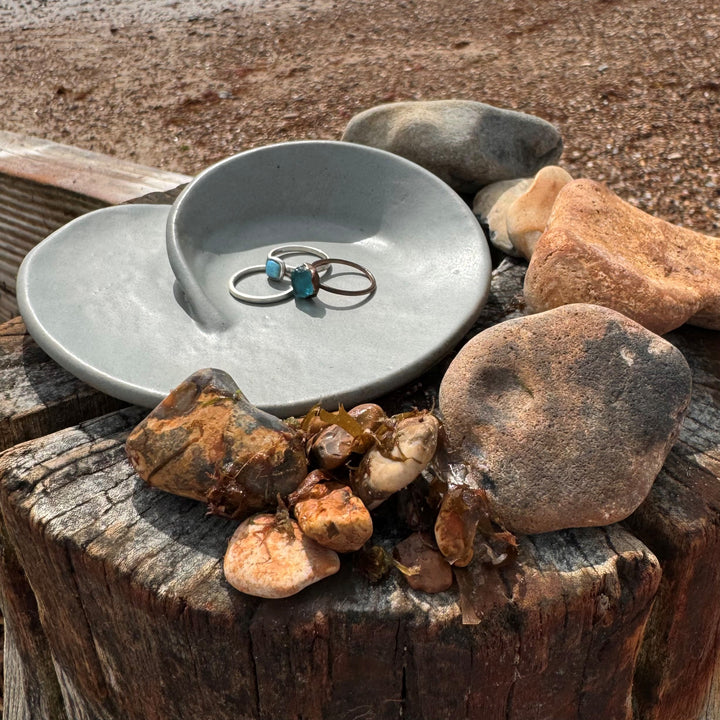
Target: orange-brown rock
column 527, row 216
column 564, row 418
column 599, row 249
column 206, row 441
column 431, row 573
column 335, row 518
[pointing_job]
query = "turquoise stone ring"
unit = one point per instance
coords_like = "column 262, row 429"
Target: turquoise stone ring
column 305, row 279
column 277, row 269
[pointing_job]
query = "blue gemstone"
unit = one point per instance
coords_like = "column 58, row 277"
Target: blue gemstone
column 301, row 280
column 273, row 269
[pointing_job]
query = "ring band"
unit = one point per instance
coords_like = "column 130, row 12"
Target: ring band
column 257, row 299
column 276, row 268
column 305, row 279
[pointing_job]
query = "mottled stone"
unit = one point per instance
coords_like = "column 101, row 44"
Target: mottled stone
column 565, row 418
column 601, row 250
column 528, row 214
column 206, row 441
column 491, row 205
column 385, row 470
column 467, row 144
column 272, row 558
column 332, row 516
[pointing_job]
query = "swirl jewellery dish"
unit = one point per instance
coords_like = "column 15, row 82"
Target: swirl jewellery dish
column 133, row 299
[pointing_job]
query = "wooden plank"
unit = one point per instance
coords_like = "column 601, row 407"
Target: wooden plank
column 37, row 396
column 44, row 185
column 142, row 623
column 107, row 179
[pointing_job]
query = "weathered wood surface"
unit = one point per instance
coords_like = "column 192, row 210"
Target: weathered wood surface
column 89, row 482
column 37, row 396
column 680, row 522
column 44, row 185
column 140, row 618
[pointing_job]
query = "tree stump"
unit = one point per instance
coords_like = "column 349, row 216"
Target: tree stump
column 141, row 621
column 126, row 613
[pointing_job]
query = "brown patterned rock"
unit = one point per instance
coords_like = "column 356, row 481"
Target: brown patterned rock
column 565, row 418
column 431, row 571
column 599, row 249
column 527, row 216
column 206, row 441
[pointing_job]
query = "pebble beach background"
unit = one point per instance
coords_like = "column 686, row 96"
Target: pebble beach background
column 633, row 86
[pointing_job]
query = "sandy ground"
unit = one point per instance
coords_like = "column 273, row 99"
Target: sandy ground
column 633, row 85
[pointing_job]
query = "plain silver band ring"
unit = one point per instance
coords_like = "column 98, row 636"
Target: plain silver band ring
column 256, row 299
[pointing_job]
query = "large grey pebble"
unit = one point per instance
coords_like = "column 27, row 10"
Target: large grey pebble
column 467, row 144
column 565, row 417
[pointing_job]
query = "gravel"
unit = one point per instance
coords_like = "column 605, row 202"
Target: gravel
column 632, row 85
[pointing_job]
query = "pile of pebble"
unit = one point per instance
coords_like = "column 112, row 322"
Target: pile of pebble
column 561, row 418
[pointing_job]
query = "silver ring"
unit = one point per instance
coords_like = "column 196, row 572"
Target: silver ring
column 257, row 299
column 276, row 268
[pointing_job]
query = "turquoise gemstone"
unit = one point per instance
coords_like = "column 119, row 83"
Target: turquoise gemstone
column 301, row 280
column 273, row 269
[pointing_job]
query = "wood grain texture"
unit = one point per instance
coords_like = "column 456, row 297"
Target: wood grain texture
column 680, row 522
column 37, row 396
column 93, row 175
column 142, row 623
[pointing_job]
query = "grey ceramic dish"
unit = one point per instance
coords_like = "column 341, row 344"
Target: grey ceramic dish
column 133, row 299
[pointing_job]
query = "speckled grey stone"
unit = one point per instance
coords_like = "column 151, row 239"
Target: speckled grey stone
column 465, row 143
column 565, row 417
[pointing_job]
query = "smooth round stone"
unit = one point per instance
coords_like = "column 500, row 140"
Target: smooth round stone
column 465, row 143
column 565, row 418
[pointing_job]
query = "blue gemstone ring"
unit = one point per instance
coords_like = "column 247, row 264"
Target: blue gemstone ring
column 276, row 268
column 305, row 279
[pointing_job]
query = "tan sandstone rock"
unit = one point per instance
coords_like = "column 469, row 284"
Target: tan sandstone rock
column 527, row 216
column 564, row 418
column 599, row 249
column 491, row 205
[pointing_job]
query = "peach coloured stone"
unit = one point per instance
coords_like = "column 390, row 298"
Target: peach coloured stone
column 269, row 559
column 527, row 216
column 564, row 418
column 491, row 205
column 599, row 249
